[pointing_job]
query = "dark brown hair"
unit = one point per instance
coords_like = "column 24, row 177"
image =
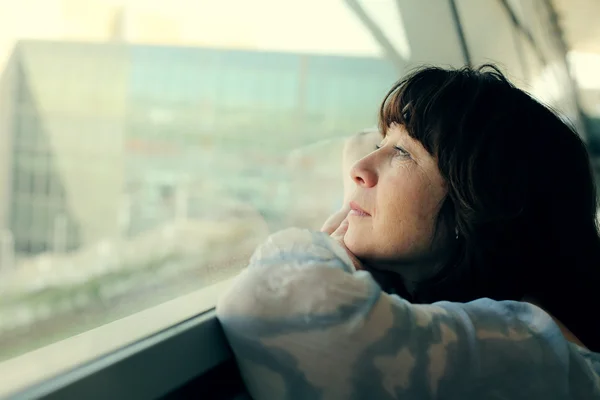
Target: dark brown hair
column 521, row 194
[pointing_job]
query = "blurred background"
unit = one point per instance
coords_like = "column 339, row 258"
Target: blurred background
column 146, row 147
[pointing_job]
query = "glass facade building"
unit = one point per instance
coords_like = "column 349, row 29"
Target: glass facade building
column 105, row 137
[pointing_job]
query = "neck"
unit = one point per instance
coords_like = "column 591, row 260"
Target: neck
column 395, row 275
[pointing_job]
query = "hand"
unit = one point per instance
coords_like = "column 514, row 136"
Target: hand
column 337, row 226
column 335, row 220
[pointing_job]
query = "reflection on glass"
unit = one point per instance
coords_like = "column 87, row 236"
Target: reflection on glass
column 142, row 172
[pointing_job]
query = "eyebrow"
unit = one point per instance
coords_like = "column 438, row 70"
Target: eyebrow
column 411, row 144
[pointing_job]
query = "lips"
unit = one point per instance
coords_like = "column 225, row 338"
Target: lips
column 357, row 210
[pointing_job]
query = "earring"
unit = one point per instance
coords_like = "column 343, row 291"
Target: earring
column 456, row 231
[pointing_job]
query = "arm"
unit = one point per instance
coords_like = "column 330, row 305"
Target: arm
column 304, row 324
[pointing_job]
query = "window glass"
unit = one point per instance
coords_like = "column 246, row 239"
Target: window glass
column 491, row 36
column 521, row 39
column 553, row 83
column 154, row 145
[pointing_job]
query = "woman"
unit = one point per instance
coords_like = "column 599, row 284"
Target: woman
column 465, row 265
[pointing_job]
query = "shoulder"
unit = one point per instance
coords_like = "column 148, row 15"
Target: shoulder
column 301, row 310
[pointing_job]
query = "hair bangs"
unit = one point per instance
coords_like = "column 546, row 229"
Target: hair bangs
column 420, row 102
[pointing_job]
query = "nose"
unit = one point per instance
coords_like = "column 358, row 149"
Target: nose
column 364, row 173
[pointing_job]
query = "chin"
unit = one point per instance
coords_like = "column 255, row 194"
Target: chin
column 372, row 251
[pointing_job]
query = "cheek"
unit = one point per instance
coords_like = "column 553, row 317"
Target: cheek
column 406, row 208
column 407, row 227
column 401, row 229
column 414, row 204
column 407, row 220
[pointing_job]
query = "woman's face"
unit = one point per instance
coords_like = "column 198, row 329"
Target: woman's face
column 400, row 192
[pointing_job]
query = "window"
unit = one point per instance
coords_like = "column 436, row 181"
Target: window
column 154, row 140
column 521, row 39
column 501, row 43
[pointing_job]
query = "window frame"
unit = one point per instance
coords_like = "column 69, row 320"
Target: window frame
column 146, row 368
column 150, row 368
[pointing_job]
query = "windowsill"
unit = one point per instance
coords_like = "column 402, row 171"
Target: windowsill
column 43, row 365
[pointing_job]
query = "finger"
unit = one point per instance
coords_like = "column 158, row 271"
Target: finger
column 334, row 221
column 338, row 236
column 341, row 230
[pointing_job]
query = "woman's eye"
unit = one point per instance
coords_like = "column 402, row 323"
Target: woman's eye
column 402, row 152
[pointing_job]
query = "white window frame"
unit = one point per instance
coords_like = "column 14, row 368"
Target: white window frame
column 143, row 356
